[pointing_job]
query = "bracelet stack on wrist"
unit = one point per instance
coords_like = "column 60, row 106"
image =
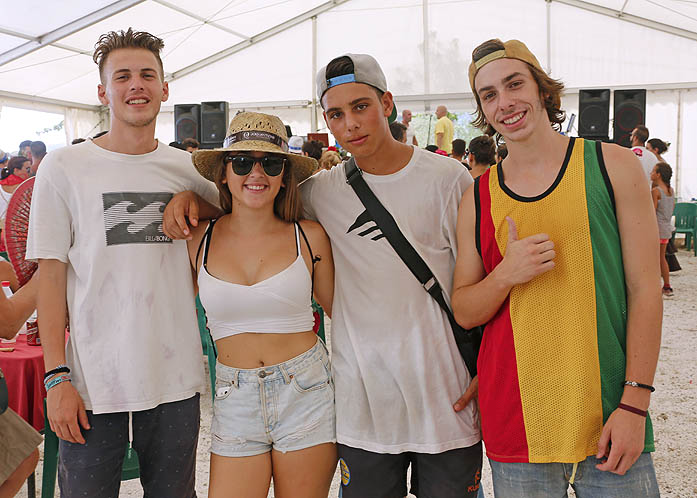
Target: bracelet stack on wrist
column 62, row 368
column 53, row 382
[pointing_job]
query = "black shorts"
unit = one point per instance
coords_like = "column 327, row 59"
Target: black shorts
column 164, row 437
column 454, row 473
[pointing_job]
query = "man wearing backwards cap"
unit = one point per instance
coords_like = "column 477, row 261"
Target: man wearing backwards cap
column 397, row 367
column 573, row 322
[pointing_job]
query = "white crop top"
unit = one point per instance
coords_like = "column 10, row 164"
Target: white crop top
column 278, row 304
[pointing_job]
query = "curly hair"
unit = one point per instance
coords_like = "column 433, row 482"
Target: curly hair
column 115, row 40
column 550, row 91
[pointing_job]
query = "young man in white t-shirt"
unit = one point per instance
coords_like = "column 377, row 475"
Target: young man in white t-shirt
column 396, row 366
column 648, row 160
column 131, row 369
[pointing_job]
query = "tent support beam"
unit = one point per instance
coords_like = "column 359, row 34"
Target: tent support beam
column 67, row 30
column 678, row 146
column 35, row 39
column 313, row 107
column 427, row 49
column 44, row 100
column 641, row 21
column 279, row 28
column 202, row 20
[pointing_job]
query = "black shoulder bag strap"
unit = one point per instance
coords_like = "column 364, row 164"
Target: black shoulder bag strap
column 467, row 340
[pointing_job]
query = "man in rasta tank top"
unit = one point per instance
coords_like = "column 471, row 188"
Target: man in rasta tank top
column 557, row 246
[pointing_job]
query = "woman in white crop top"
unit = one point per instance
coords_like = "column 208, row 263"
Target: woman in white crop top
column 256, row 267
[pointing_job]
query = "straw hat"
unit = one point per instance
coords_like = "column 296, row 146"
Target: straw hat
column 253, row 132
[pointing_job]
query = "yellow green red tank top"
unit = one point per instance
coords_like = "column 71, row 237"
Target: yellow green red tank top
column 552, row 360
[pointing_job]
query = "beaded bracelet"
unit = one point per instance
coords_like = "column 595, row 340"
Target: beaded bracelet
column 62, row 368
column 57, row 380
column 638, row 384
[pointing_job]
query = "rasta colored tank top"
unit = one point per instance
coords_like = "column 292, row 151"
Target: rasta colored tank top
column 552, row 361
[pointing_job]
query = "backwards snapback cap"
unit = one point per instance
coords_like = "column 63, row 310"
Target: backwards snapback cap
column 512, row 49
column 365, row 70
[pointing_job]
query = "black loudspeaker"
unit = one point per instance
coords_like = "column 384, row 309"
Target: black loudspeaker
column 186, row 122
column 594, row 114
column 214, row 121
column 629, row 111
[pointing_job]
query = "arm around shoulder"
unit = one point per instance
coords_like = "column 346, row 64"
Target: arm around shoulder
column 323, row 265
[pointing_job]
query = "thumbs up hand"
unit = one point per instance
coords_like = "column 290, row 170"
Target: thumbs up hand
column 525, row 258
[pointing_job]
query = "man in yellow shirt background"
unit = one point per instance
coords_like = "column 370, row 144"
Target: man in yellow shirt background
column 444, row 130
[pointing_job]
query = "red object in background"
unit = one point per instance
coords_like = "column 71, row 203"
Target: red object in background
column 315, row 327
column 33, row 333
column 16, row 228
column 441, row 152
column 322, row 137
column 24, row 371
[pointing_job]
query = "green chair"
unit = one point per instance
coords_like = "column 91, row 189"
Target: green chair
column 319, row 314
column 207, row 344
column 130, row 469
column 686, row 222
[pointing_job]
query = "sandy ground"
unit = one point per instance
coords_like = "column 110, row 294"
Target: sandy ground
column 673, row 405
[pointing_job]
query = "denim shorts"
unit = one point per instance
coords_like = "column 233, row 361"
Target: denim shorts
column 285, row 407
column 546, row 480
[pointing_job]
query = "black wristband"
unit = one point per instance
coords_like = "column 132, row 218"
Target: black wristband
column 637, row 384
column 56, row 371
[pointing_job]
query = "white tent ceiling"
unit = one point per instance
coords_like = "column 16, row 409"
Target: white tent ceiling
column 264, row 53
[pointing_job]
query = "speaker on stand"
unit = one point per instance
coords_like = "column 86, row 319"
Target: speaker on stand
column 594, row 114
column 186, row 122
column 214, row 121
column 629, row 111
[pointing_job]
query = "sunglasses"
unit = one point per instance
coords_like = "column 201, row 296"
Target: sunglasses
column 242, row 165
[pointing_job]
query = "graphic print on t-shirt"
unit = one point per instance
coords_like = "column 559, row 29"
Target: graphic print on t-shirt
column 135, row 217
column 363, row 219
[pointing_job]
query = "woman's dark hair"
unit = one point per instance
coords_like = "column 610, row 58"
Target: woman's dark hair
column 550, row 91
column 666, row 173
column 431, row 148
column 459, row 147
column 660, row 146
column 13, row 164
column 398, row 130
column 341, row 66
column 483, row 150
column 288, row 203
column 502, row 151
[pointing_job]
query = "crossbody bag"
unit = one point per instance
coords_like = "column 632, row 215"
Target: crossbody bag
column 467, row 341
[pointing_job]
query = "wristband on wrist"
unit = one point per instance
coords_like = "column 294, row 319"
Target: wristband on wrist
column 632, row 409
column 57, row 380
column 640, row 385
column 62, row 368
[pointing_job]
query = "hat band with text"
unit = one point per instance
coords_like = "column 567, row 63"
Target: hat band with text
column 264, row 136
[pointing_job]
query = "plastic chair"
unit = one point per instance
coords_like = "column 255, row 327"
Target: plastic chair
column 686, row 222
column 319, row 319
column 207, row 344
column 130, row 469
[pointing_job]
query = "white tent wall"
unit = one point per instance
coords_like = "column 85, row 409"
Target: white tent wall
column 81, row 123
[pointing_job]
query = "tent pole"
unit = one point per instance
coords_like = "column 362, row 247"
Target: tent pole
column 427, row 83
column 313, row 107
column 678, row 144
column 549, row 36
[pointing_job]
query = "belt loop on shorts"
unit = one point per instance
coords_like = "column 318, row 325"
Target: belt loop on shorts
column 235, row 379
column 284, row 372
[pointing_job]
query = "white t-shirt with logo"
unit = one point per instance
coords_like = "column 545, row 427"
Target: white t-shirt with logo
column 134, row 340
column 397, row 369
column 647, row 158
